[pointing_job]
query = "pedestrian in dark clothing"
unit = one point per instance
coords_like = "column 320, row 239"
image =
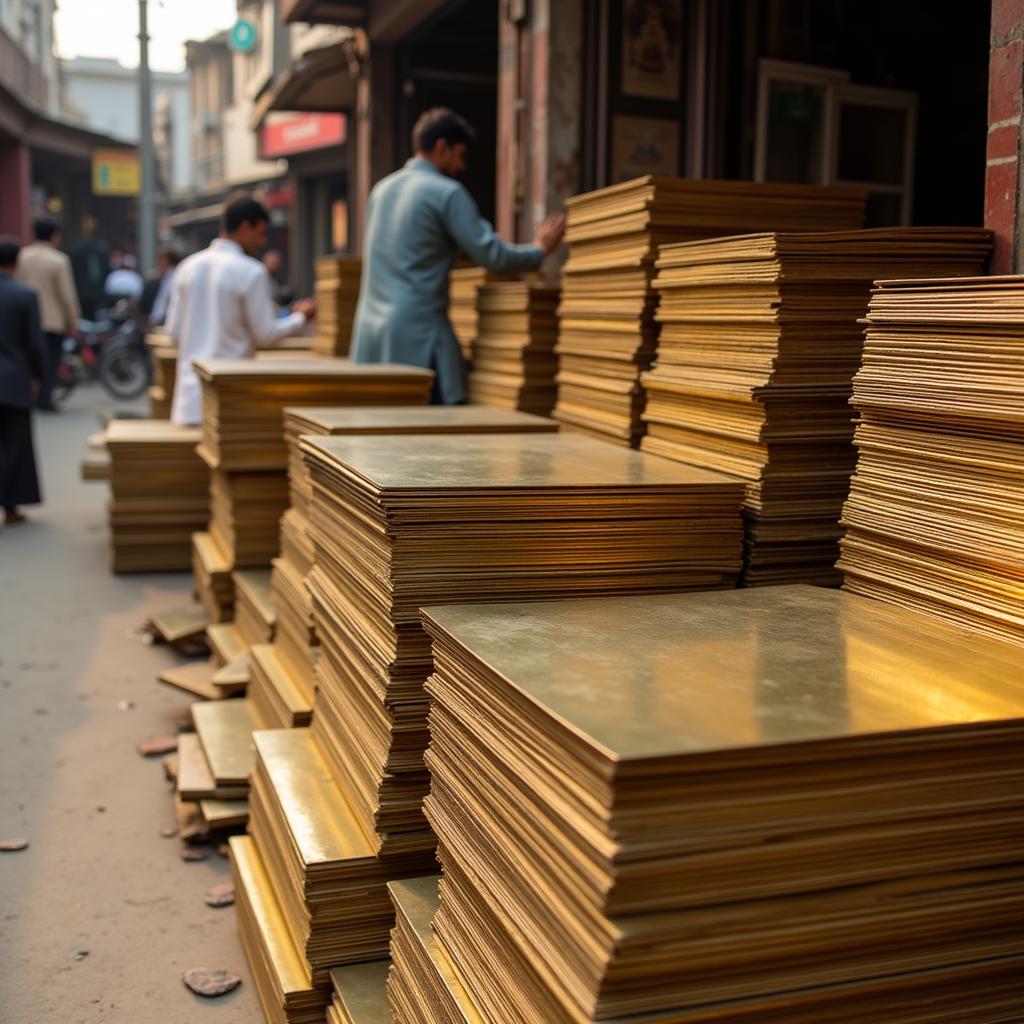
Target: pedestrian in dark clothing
column 22, row 370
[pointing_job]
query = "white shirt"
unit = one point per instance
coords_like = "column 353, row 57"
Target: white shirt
column 222, row 306
column 158, row 314
column 124, row 284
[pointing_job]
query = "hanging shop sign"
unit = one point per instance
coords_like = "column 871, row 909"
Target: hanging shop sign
column 116, row 172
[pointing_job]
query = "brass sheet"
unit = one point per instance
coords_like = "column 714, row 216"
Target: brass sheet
column 195, row 677
column 195, row 782
column 225, row 731
column 416, row 899
column 287, row 691
column 290, row 972
column 232, row 677
column 254, row 585
column 224, row 813
column 361, row 990
column 305, row 367
column 439, row 419
column 506, row 461
column 321, row 824
column 180, row 623
column 150, row 431
column 689, row 674
column 226, row 641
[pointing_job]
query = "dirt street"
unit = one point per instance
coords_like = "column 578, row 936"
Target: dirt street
column 99, row 917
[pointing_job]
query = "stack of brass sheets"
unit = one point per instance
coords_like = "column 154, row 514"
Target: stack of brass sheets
column 326, row 872
column 96, row 463
column 243, row 400
column 211, row 577
column 725, row 807
column 421, row 974
column 254, row 610
column 760, row 339
column 245, row 514
column 463, row 285
column 934, row 520
column 514, row 361
column 164, row 357
column 607, row 335
column 401, row 522
column 158, row 494
column 222, row 758
column 284, row 677
column 336, row 292
column 282, row 978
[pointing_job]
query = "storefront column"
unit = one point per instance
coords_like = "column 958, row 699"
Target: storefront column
column 1004, row 197
column 15, row 190
column 539, row 101
column 374, row 131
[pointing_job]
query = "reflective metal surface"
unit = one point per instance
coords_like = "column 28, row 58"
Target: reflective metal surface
column 322, row 826
column 416, row 899
column 362, row 991
column 225, row 731
column 417, row 419
column 509, row 460
column 691, row 673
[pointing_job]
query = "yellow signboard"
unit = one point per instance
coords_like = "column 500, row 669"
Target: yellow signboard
column 116, row 172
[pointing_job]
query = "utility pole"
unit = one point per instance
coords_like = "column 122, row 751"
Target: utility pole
column 147, row 195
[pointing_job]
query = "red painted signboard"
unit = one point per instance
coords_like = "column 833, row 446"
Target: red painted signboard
column 299, row 133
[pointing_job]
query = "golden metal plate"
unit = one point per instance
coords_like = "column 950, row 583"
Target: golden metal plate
column 322, row 826
column 362, row 992
column 697, row 673
column 224, row 813
column 521, row 461
column 429, row 419
column 196, row 677
column 416, row 900
column 290, row 972
column 180, row 623
column 302, row 367
column 225, row 731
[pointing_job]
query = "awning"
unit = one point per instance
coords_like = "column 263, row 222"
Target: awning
column 325, row 12
column 317, row 83
column 194, row 216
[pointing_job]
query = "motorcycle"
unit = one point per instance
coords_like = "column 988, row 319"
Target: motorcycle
column 110, row 349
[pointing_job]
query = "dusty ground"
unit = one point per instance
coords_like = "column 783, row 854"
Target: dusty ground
column 98, row 876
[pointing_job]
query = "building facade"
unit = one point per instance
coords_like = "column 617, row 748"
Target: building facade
column 46, row 162
column 104, row 95
column 571, row 95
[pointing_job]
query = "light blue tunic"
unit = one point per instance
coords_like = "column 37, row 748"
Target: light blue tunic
column 418, row 220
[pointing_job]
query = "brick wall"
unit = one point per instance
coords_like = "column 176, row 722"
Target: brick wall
column 1003, row 198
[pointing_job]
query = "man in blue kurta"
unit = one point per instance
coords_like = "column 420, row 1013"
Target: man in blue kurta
column 418, row 220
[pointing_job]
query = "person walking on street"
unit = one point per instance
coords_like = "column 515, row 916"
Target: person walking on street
column 22, row 367
column 418, row 220
column 46, row 270
column 222, row 303
column 156, row 295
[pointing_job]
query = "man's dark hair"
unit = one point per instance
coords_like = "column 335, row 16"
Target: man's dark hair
column 242, row 209
column 45, row 229
column 440, row 123
column 172, row 256
column 9, row 249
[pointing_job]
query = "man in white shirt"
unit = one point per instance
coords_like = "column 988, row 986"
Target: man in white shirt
column 222, row 303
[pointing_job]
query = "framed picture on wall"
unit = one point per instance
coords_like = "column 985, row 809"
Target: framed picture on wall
column 644, row 145
column 652, row 36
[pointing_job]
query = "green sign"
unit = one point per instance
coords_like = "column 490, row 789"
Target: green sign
column 243, row 36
